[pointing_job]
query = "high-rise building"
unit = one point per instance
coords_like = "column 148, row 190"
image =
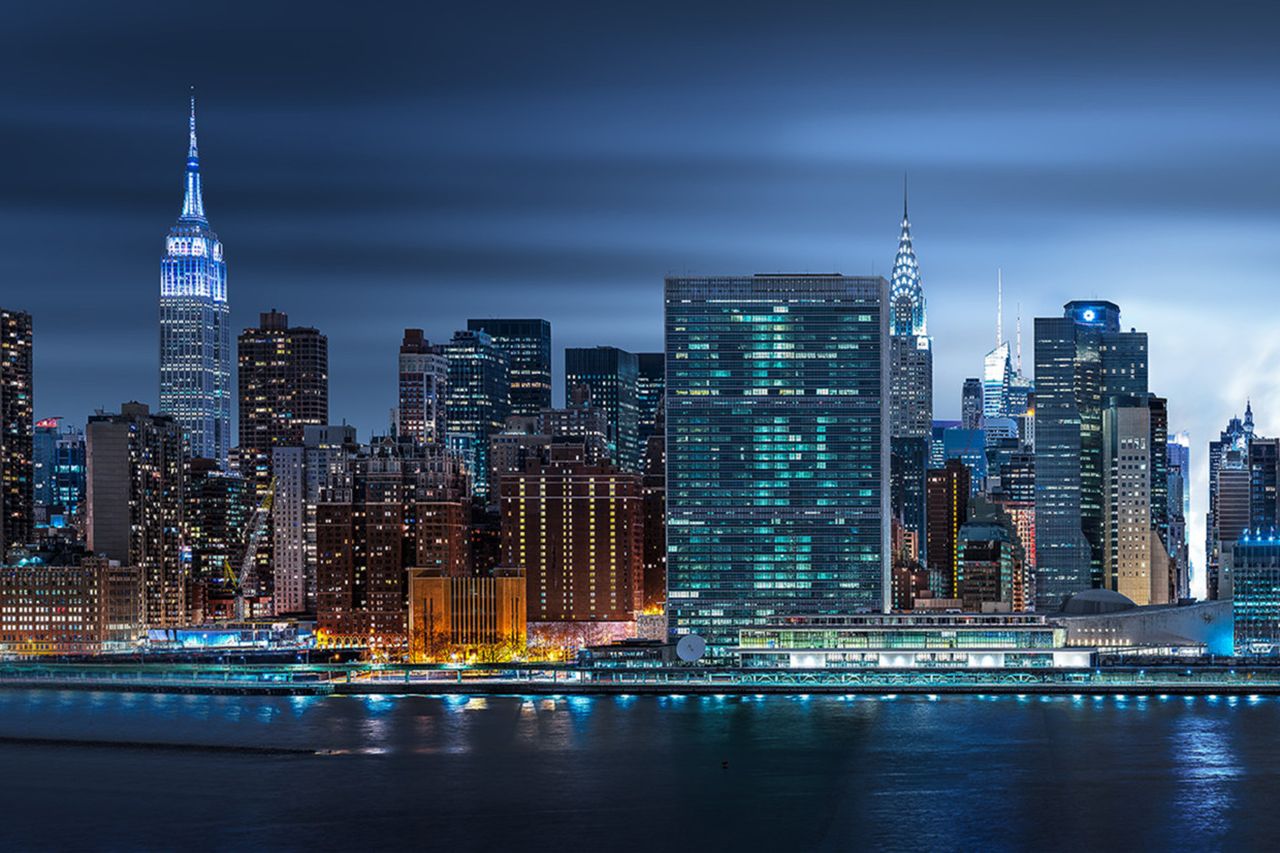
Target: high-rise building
column 424, row 378
column 988, row 568
column 217, row 507
column 1255, row 567
column 135, row 499
column 59, row 483
column 948, row 502
column 910, row 348
column 195, row 323
column 908, row 466
column 284, row 388
column 997, row 374
column 971, row 404
column 653, row 487
column 478, row 400
column 17, row 477
column 301, row 471
column 370, row 531
column 1229, row 453
column 611, row 375
column 1082, row 359
column 1134, row 560
column 578, row 531
column 527, row 344
column 651, row 382
column 1177, row 541
column 777, row 450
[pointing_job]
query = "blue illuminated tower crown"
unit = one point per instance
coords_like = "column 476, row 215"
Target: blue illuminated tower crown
column 905, row 291
column 195, row 321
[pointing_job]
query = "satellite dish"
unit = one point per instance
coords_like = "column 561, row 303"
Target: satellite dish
column 690, row 648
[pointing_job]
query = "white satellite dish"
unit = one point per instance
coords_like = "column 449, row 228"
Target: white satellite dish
column 690, row 648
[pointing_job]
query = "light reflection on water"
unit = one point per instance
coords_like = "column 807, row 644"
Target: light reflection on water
column 1146, row 771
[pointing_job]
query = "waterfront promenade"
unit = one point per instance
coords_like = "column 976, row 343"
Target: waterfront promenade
column 550, row 680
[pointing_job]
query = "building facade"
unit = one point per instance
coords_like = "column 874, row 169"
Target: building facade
column 17, row 475
column 479, row 400
column 527, row 344
column 195, row 323
column 1255, row 565
column 777, row 425
column 948, row 501
column 59, row 474
column 1082, row 359
column 611, row 375
column 423, row 380
column 84, row 609
column 136, row 478
column 578, row 531
column 651, row 383
column 467, row 616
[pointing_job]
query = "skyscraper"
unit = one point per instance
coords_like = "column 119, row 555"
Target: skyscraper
column 949, row 491
column 1177, row 542
column 651, row 380
column 284, row 388
column 478, row 400
column 195, row 324
column 777, row 425
column 59, row 476
column 612, row 376
column 910, row 386
column 1134, row 560
column 1229, row 464
column 527, row 344
column 1082, row 359
column 911, row 348
column 17, row 476
column 424, row 378
column 135, row 503
column 971, row 404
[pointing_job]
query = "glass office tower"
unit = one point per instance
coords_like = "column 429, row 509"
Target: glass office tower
column 195, row 324
column 777, row 450
column 612, row 376
column 527, row 344
column 1082, row 360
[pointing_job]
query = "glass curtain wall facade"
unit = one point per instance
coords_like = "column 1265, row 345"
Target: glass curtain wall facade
column 1082, row 359
column 778, row 451
column 195, row 324
column 527, row 344
column 612, row 376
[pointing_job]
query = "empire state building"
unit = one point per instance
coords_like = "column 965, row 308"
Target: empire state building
column 195, row 323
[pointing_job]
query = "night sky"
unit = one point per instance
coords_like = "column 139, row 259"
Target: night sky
column 370, row 167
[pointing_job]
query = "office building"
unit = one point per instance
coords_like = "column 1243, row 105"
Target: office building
column 135, row 499
column 86, row 608
column 1255, row 567
column 653, row 489
column 466, row 618
column 1134, row 560
column 17, row 499
column 611, row 377
column 908, row 467
column 997, row 374
column 217, row 508
column 948, row 502
column 423, row 379
column 195, row 323
column 1178, row 541
column 777, row 450
column 578, row 530
column 651, row 382
column 301, row 472
column 989, row 572
column 59, row 478
column 971, row 404
column 1229, row 454
column 1082, row 359
column 527, row 344
column 478, row 402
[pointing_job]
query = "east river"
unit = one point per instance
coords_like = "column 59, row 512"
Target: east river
column 84, row 770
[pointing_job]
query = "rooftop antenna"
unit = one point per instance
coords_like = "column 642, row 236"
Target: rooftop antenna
column 1019, row 351
column 999, row 307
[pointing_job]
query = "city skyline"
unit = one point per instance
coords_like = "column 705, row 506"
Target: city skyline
column 1164, row 195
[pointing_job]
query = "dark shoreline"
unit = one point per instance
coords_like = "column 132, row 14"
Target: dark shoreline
column 550, row 689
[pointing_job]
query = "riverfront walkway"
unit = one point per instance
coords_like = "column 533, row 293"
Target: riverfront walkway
column 551, row 680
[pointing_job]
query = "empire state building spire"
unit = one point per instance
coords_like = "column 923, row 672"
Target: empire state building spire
column 192, row 200
column 905, row 292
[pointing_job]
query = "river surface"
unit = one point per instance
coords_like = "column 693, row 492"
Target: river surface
column 638, row 773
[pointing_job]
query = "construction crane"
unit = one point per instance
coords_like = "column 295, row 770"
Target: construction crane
column 247, row 577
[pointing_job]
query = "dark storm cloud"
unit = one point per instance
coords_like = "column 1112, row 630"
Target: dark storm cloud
column 371, row 167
